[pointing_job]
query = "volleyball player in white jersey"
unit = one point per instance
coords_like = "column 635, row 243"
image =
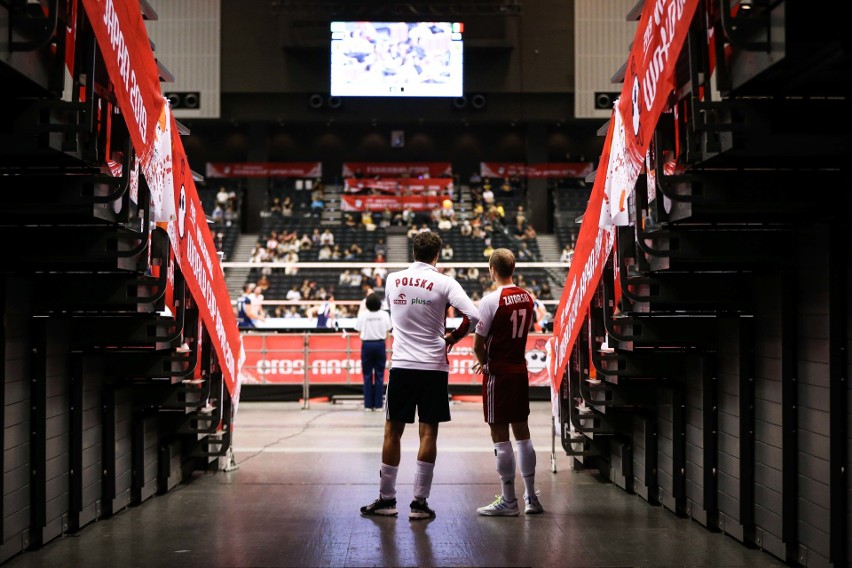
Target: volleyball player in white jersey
column 418, row 298
column 506, row 316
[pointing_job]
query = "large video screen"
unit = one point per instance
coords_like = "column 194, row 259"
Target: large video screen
column 397, row 59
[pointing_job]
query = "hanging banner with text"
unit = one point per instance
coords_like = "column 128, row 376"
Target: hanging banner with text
column 264, row 169
column 393, row 202
column 401, row 186
column 132, row 69
column 389, row 169
column 517, row 169
column 648, row 83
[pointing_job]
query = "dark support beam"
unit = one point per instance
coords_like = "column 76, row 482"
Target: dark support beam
column 710, row 426
column 838, row 392
column 789, row 418
column 38, row 434
column 747, row 425
column 75, row 497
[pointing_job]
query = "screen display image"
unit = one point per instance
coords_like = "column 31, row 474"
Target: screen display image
column 396, row 59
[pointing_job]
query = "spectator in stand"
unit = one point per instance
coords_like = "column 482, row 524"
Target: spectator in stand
column 231, row 215
column 545, row 294
column 520, row 216
column 291, row 257
column 327, row 237
column 258, row 314
column 524, row 253
column 445, row 224
column 530, row 232
column 506, row 188
column 316, row 237
column 567, row 254
column 218, row 215
column 466, row 229
column 336, row 253
column 349, row 221
column 345, row 278
column 305, row 243
column 447, row 252
column 275, row 206
column 407, row 215
column 324, row 253
column 412, row 232
column 287, row 207
column 487, row 195
column 263, row 283
column 519, row 231
column 472, row 273
column 222, row 197
column 488, row 251
column 380, row 248
column 367, row 220
column 317, row 204
column 293, row 313
column 353, row 252
column 293, row 294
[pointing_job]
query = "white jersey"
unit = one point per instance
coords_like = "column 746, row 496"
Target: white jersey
column 418, row 298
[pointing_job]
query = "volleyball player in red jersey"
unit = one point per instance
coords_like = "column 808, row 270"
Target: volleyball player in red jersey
column 506, row 316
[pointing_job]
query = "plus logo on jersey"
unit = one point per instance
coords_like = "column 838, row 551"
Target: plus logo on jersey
column 420, row 301
column 400, row 300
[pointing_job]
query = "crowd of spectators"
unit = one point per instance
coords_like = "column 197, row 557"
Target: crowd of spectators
column 495, row 217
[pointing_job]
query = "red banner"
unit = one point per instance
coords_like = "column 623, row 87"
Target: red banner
column 399, row 185
column 590, row 254
column 130, row 64
column 264, row 169
column 414, row 169
column 517, row 169
column 648, row 83
column 647, row 86
column 393, row 202
column 336, row 359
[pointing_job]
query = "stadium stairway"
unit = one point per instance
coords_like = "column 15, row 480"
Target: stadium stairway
column 397, row 248
column 332, row 214
column 548, row 247
column 236, row 277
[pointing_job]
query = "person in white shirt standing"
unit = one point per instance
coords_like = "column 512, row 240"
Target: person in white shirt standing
column 418, row 298
column 373, row 325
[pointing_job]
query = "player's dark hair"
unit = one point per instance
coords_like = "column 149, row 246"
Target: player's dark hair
column 374, row 302
column 426, row 246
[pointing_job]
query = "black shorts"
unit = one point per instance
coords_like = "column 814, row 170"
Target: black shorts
column 425, row 391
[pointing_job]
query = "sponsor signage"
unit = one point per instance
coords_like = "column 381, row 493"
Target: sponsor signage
column 517, row 169
column 387, row 169
column 400, row 185
column 264, row 169
column 336, row 359
column 393, row 202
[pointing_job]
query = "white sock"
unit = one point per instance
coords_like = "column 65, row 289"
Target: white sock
column 506, row 469
column 423, row 480
column 526, row 463
column 387, row 485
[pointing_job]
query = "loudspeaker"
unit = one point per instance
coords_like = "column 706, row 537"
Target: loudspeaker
column 478, row 101
column 460, row 102
column 186, row 100
column 604, row 100
column 335, row 102
column 316, row 101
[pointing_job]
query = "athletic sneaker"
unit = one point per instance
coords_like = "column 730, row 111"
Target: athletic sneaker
column 532, row 505
column 500, row 508
column 421, row 510
column 380, row 507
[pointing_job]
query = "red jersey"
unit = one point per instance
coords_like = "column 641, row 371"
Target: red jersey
column 506, row 316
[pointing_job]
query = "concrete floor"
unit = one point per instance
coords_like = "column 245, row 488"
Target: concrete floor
column 303, row 474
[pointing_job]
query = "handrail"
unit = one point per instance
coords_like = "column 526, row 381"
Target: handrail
column 144, row 197
column 122, row 182
column 607, row 317
column 180, row 317
column 640, row 242
column 52, row 24
column 731, row 32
